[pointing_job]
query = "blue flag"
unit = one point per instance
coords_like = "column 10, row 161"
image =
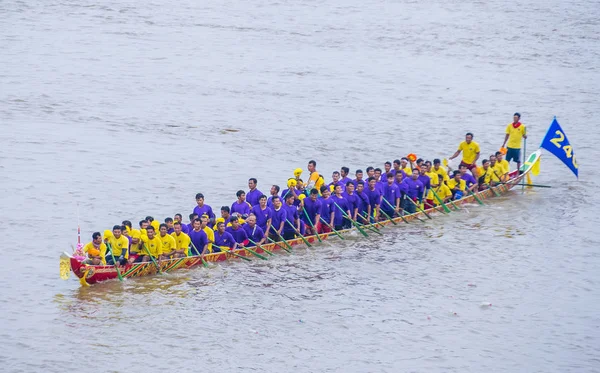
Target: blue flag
column 556, row 142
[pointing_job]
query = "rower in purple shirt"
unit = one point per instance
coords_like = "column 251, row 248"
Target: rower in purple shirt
column 253, row 194
column 344, row 171
column 387, row 167
column 198, row 238
column 352, row 198
column 415, row 191
column 362, row 202
column 426, row 180
column 263, row 214
column 240, row 206
column 253, row 231
column 377, row 175
column 274, row 192
column 327, row 207
column 311, row 209
column 292, row 218
column 397, row 168
column 359, row 177
column 190, row 226
column 341, row 207
column 202, row 209
column 374, row 198
column 468, row 178
column 238, row 233
column 223, row 239
column 336, row 181
column 278, row 219
column 390, row 199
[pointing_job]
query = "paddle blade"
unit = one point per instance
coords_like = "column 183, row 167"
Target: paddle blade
column 65, row 267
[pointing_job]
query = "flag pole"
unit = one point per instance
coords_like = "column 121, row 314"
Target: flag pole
column 524, row 158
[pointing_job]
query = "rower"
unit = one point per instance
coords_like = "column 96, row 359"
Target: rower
column 377, row 175
column 240, row 206
column 253, row 194
column 135, row 247
column 210, row 233
column 336, row 181
column 203, row 208
column 327, row 207
column 128, row 227
column 168, row 242
column 253, row 231
column 312, row 214
column 223, row 239
column 414, row 191
column 470, row 150
column 391, row 193
column 152, row 243
column 179, row 218
column 225, row 214
column 314, row 175
column 515, row 132
column 119, row 245
column 339, row 221
column 397, row 168
column 153, row 222
column 238, row 233
column 344, row 171
column 190, row 226
column 404, row 166
column 292, row 218
column 370, row 172
column 359, row 177
column 95, row 250
column 425, row 180
column 457, row 185
column 169, row 223
column 434, row 181
column 262, row 214
column 496, row 167
column 374, row 196
column 387, row 167
column 274, row 193
column 488, row 178
column 470, row 181
column 441, row 171
column 278, row 219
column 198, row 238
column 443, row 193
column 182, row 240
column 353, row 200
column 362, row 202
column 291, row 189
column 504, row 165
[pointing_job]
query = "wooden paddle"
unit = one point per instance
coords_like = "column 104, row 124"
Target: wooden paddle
column 311, row 224
column 333, row 230
column 278, row 245
column 151, row 257
column 114, row 262
column 226, row 249
column 260, row 247
column 201, row 256
column 352, row 221
column 299, row 234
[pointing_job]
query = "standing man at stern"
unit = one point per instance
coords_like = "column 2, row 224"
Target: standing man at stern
column 515, row 132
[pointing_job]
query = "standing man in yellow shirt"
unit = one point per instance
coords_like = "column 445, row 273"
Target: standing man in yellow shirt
column 470, row 150
column 515, row 132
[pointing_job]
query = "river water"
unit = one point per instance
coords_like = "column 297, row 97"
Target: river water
column 128, row 109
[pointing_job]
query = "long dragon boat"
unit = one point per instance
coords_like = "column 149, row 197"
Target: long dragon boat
column 90, row 274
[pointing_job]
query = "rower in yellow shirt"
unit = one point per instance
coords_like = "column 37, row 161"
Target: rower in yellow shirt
column 95, row 250
column 470, row 150
column 515, row 133
column 151, row 245
column 434, row 181
column 487, row 176
column 119, row 245
column 210, row 234
column 504, row 165
column 443, row 193
column 182, row 241
column 153, row 223
column 167, row 241
column 135, row 246
column 441, row 171
column 405, row 166
column 457, row 185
